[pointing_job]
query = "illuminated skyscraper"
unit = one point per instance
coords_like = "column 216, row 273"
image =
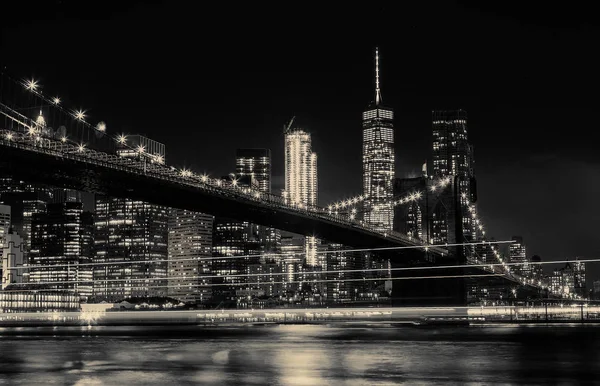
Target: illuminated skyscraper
column 301, row 187
column 61, row 241
column 190, row 244
column 378, row 160
column 453, row 157
column 255, row 163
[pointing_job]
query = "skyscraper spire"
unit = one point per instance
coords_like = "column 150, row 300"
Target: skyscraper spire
column 377, row 90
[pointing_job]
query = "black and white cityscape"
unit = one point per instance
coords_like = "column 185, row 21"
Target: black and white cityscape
column 337, row 203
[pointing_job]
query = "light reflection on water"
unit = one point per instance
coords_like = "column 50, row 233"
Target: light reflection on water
column 298, row 355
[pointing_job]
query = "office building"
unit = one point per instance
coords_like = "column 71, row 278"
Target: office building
column 189, row 251
column 257, row 164
column 62, row 248
column 13, row 265
column 453, row 158
column 378, row 161
column 517, row 253
column 130, row 249
column 131, row 237
column 234, row 238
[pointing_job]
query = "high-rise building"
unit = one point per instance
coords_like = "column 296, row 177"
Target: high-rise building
column 537, row 273
column 131, row 238
column 378, row 161
column 579, row 284
column 62, row 248
column 12, row 259
column 343, row 271
column 301, row 187
column 453, row 158
column 130, row 249
column 234, row 238
column 4, row 222
column 257, row 164
column 190, row 249
column 517, row 253
column 24, row 200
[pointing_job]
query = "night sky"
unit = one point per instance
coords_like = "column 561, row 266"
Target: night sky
column 207, row 79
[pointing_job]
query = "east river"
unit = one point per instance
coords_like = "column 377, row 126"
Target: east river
column 300, row 355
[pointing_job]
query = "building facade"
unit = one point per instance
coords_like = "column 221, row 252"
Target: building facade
column 13, row 263
column 62, row 248
column 301, row 187
column 130, row 249
column 257, row 164
column 378, row 161
column 189, row 251
column 517, row 253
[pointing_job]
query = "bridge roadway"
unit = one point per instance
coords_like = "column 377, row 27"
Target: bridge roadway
column 63, row 164
column 373, row 315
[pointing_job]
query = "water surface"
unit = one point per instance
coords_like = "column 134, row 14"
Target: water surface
column 299, row 355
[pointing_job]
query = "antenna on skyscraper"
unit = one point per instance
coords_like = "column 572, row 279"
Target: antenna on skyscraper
column 377, row 90
column 287, row 128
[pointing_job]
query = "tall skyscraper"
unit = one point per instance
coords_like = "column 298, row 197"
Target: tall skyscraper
column 62, row 248
column 131, row 249
column 190, row 244
column 301, row 187
column 255, row 163
column 453, row 157
column 378, row 160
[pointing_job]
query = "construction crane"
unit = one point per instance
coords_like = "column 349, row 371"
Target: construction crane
column 287, row 128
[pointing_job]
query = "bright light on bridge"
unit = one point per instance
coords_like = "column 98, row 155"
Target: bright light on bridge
column 122, row 139
column 81, row 147
column 56, row 100
column 31, row 84
column 101, row 126
column 79, row 114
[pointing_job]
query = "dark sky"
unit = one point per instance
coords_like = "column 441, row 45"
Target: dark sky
column 207, row 79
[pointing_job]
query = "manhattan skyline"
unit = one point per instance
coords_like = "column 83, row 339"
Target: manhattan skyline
column 526, row 103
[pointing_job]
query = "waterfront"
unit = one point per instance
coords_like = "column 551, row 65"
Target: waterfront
column 298, row 355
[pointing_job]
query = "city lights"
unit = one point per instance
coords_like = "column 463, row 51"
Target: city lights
column 79, row 114
column 31, row 85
